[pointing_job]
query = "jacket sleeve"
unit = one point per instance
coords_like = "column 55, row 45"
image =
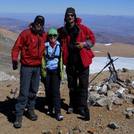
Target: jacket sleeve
column 90, row 36
column 43, row 68
column 17, row 47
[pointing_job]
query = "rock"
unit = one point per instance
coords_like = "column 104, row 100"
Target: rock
column 91, row 88
column 113, row 125
column 133, row 84
column 76, row 130
column 13, row 93
column 4, row 77
column 9, row 85
column 40, row 93
column 62, row 130
column 124, row 70
column 102, row 102
column 47, row 132
column 110, row 93
column 131, row 90
column 103, row 89
column 118, row 101
column 129, row 112
column 128, row 81
column 129, row 115
column 130, row 109
column 91, row 131
column 128, row 97
column 120, row 91
column 93, row 96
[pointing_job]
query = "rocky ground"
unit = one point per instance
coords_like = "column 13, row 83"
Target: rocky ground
column 101, row 116
column 103, row 120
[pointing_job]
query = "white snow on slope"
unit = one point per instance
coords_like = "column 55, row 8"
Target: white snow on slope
column 121, row 62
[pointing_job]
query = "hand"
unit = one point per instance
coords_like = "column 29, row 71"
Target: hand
column 80, row 45
column 14, row 65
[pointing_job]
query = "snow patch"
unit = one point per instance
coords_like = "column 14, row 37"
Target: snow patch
column 4, row 76
column 122, row 62
column 108, row 44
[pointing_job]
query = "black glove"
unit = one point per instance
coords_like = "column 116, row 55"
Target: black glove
column 14, row 65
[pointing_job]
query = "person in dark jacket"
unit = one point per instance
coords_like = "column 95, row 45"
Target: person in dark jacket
column 77, row 40
column 30, row 46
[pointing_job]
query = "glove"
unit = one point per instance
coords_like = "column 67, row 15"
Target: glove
column 14, row 65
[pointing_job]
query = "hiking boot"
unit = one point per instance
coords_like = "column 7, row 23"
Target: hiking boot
column 31, row 115
column 85, row 114
column 18, row 122
column 59, row 117
column 70, row 110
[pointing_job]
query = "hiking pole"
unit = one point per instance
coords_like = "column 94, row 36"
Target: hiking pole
column 111, row 61
column 118, row 80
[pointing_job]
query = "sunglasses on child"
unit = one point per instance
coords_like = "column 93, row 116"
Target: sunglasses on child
column 52, row 35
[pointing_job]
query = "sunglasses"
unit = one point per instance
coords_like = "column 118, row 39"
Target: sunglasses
column 52, row 35
column 68, row 15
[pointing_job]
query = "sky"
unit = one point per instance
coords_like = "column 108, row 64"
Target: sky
column 97, row 7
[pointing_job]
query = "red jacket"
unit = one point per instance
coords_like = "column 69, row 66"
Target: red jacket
column 84, row 34
column 30, row 47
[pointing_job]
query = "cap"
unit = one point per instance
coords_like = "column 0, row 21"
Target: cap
column 39, row 19
column 70, row 10
column 52, row 31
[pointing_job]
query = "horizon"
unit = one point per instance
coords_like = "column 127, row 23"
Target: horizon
column 108, row 28
column 31, row 16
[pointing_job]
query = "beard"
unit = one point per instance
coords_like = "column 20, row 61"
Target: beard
column 36, row 30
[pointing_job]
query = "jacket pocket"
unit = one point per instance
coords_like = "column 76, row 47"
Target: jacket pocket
column 86, row 57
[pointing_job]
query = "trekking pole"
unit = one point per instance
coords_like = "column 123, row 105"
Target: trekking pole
column 111, row 61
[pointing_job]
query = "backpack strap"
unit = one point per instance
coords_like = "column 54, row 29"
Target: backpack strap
column 53, row 54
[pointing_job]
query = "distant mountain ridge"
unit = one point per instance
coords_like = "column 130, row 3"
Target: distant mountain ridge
column 7, row 37
column 106, row 28
column 112, row 28
column 12, row 24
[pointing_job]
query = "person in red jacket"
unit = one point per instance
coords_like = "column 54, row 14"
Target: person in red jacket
column 77, row 40
column 30, row 46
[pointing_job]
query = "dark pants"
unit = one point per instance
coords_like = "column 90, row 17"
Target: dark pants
column 29, row 83
column 78, row 86
column 52, row 89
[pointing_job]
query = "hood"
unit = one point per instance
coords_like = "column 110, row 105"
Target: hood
column 78, row 20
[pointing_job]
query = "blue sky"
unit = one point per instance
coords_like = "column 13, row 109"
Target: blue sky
column 98, row 7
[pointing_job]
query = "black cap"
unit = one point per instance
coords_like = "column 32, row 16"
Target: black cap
column 39, row 19
column 70, row 10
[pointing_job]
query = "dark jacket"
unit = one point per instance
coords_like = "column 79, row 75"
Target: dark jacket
column 84, row 34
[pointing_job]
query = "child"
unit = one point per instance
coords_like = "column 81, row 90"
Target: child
column 51, row 70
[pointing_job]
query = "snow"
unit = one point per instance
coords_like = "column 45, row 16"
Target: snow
column 108, row 44
column 122, row 62
column 96, row 66
column 4, row 76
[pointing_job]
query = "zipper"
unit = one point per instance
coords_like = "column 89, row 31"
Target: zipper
column 38, row 44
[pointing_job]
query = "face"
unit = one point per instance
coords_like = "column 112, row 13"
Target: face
column 38, row 26
column 52, row 37
column 70, row 18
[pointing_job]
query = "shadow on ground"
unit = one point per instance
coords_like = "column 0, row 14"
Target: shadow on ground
column 7, row 107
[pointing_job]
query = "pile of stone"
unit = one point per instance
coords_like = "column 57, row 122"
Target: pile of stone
column 107, row 94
